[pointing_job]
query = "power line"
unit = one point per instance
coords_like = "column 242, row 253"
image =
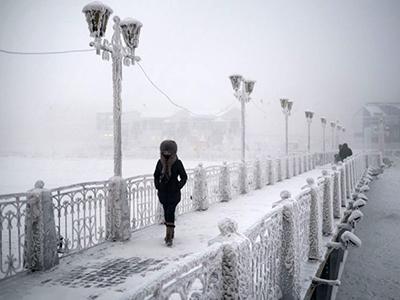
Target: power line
column 45, row 52
column 259, row 108
column 10, row 52
column 174, row 103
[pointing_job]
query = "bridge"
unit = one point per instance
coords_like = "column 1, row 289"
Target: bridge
column 261, row 230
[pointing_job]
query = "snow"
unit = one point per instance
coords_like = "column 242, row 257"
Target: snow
column 96, row 5
column 193, row 232
column 372, row 271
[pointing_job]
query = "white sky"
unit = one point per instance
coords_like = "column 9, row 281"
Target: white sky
column 329, row 56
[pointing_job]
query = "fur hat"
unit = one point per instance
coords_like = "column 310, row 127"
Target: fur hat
column 169, row 145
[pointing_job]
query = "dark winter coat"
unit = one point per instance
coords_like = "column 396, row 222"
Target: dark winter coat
column 169, row 188
column 345, row 152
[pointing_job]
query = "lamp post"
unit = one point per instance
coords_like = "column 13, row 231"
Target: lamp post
column 323, row 123
column 381, row 134
column 333, row 125
column 286, row 109
column 309, row 116
column 343, row 133
column 97, row 15
column 338, row 130
column 243, row 88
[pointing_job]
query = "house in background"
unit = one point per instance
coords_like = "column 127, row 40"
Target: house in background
column 368, row 129
column 196, row 135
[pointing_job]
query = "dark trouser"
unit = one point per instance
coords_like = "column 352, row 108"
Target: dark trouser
column 169, row 202
column 169, row 213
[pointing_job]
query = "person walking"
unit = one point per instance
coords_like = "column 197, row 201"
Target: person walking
column 168, row 168
column 345, row 152
column 337, row 155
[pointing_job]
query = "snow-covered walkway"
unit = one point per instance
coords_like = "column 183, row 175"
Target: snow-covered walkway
column 373, row 271
column 106, row 271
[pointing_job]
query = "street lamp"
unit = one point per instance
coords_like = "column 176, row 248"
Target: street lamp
column 333, row 125
column 243, row 88
column 323, row 123
column 286, row 109
column 97, row 15
column 309, row 116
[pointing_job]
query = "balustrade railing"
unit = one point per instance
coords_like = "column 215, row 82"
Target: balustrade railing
column 267, row 242
column 79, row 213
column 80, row 209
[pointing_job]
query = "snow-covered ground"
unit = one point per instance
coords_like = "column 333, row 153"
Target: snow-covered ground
column 81, row 276
column 373, row 271
column 19, row 174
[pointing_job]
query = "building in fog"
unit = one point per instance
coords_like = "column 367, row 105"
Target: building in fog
column 367, row 125
column 195, row 134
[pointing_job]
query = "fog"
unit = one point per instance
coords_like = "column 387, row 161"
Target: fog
column 327, row 56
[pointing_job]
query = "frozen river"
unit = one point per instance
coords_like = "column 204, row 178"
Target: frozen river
column 18, row 174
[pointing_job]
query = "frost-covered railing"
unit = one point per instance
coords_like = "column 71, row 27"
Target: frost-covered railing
column 198, row 276
column 12, row 217
column 79, row 213
column 80, row 209
column 268, row 262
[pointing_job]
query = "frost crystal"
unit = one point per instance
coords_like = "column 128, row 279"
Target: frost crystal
column 200, row 191
column 327, row 211
column 315, row 223
column 225, row 193
column 336, row 193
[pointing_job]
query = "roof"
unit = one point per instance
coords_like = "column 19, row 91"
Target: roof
column 385, row 109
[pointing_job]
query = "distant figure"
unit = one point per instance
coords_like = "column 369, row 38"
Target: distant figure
column 345, row 152
column 168, row 168
column 337, row 155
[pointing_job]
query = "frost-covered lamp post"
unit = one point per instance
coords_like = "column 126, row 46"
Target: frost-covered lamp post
column 323, row 123
column 309, row 116
column 338, row 130
column 333, row 125
column 286, row 109
column 243, row 88
column 97, row 15
column 343, row 132
column 381, row 134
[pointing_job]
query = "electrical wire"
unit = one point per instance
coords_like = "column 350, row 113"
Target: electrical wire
column 173, row 102
column 10, row 52
column 46, row 52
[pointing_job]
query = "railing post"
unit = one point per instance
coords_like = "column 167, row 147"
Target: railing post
column 257, row 175
column 41, row 241
column 288, row 175
column 243, row 186
column 305, row 163
column 294, row 165
column 236, row 261
column 314, row 237
column 290, row 264
column 271, row 172
column 200, row 190
column 279, row 169
column 347, row 170
column 117, row 210
column 343, row 191
column 336, row 193
column 225, row 192
column 301, row 169
column 327, row 211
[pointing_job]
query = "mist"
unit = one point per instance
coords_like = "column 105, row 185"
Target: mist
column 330, row 57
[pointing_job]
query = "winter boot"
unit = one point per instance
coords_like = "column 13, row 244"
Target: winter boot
column 166, row 233
column 170, row 234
